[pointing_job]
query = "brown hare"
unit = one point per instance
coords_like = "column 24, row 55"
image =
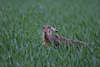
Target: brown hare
column 49, row 37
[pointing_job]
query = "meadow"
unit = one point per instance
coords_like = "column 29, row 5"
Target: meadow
column 21, row 23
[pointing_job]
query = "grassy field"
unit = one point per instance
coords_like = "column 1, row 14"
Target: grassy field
column 21, row 23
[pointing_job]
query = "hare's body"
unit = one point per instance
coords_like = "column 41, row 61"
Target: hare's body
column 48, row 37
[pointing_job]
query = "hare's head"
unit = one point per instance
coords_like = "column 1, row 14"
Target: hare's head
column 49, row 29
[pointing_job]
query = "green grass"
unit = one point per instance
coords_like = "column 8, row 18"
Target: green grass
column 21, row 23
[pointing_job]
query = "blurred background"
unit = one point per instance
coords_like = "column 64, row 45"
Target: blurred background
column 21, row 23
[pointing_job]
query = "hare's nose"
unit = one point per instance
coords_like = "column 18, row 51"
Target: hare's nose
column 56, row 31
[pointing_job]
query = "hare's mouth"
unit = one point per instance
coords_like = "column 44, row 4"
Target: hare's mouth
column 45, row 32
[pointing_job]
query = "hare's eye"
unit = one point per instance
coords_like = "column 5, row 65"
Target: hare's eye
column 49, row 27
column 43, row 28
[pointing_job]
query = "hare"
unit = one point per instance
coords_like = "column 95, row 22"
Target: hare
column 49, row 37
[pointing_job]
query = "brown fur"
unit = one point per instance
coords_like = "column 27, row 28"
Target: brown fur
column 57, row 39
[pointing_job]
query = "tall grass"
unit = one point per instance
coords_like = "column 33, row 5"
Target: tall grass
column 21, row 24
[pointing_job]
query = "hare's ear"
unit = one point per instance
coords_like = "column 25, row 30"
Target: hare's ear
column 54, row 29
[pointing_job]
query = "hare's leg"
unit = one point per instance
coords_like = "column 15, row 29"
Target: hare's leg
column 56, row 42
